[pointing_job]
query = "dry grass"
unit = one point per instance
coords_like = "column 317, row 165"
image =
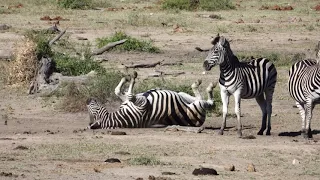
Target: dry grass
column 23, row 68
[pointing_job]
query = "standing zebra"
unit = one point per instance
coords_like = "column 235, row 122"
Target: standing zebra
column 254, row 79
column 304, row 88
column 153, row 107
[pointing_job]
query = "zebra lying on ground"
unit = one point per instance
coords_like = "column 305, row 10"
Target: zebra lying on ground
column 304, row 88
column 254, row 79
column 153, row 107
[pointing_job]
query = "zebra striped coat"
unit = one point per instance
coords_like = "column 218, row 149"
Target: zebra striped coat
column 254, row 79
column 304, row 88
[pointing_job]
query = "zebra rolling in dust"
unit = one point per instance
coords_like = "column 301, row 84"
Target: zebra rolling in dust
column 254, row 79
column 304, row 88
column 151, row 108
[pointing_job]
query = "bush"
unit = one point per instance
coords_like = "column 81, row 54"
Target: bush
column 75, row 4
column 41, row 39
column 101, row 87
column 208, row 5
column 73, row 66
column 132, row 44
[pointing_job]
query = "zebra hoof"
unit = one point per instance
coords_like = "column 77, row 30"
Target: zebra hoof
column 239, row 133
column 268, row 133
column 220, row 132
column 260, row 133
column 307, row 134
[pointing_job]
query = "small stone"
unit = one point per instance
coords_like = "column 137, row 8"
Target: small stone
column 204, row 171
column 295, row 162
column 229, row 167
column 251, row 168
column 112, row 160
column 118, row 133
column 204, row 72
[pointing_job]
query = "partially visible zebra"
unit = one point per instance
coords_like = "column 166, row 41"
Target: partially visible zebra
column 304, row 88
column 154, row 107
column 254, row 79
column 130, row 114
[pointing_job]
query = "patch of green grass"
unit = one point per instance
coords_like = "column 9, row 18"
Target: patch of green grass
column 310, row 27
column 144, row 160
column 214, row 5
column 75, row 4
column 207, row 5
column 132, row 44
column 73, row 66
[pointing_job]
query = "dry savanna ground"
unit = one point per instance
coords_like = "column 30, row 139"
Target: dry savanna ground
column 40, row 141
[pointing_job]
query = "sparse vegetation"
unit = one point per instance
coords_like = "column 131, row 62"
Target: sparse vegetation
column 132, row 44
column 75, row 4
column 144, row 160
column 208, row 5
column 279, row 59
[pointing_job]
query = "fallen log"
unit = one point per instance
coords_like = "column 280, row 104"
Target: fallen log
column 161, row 73
column 57, row 37
column 143, row 65
column 107, row 47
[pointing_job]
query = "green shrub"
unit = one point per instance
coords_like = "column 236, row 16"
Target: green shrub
column 132, row 44
column 41, row 38
column 214, row 5
column 73, row 66
column 75, row 4
column 102, row 87
column 208, row 5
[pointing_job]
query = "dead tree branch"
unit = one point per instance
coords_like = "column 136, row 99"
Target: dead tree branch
column 143, row 65
column 107, row 47
column 57, row 37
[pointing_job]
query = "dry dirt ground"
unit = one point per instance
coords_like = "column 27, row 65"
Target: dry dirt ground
column 41, row 142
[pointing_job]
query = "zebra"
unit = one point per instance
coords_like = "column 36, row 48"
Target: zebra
column 152, row 108
column 254, row 79
column 304, row 88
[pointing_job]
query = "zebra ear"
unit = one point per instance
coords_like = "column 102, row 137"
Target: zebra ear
column 215, row 39
column 222, row 40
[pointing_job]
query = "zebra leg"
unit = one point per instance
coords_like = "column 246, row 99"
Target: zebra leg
column 209, row 90
column 263, row 106
column 131, row 85
column 117, row 90
column 269, row 96
column 225, row 102
column 308, row 109
column 302, row 112
column 195, row 89
column 237, row 110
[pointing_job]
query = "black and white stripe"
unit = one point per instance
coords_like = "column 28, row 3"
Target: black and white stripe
column 179, row 108
column 254, row 79
column 304, row 88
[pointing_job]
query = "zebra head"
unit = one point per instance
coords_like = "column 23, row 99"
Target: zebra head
column 94, row 108
column 217, row 53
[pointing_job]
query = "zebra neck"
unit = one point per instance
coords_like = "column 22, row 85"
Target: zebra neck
column 229, row 65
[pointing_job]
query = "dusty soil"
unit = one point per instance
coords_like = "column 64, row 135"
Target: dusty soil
column 40, row 142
